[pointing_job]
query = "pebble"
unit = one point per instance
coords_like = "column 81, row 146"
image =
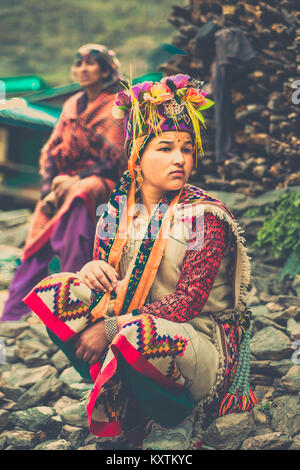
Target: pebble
column 43, row 399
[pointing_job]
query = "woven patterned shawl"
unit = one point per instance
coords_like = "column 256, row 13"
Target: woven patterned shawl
column 77, row 142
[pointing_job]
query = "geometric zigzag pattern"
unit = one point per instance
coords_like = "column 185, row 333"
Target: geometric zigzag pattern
column 111, row 403
column 66, row 308
column 152, row 345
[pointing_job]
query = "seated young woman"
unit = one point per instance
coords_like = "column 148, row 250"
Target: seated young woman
column 158, row 319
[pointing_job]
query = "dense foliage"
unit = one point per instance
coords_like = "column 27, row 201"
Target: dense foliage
column 279, row 236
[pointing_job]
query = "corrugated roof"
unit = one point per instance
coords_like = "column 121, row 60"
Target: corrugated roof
column 33, row 115
column 53, row 92
column 22, row 84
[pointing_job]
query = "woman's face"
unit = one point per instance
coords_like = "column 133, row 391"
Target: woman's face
column 167, row 161
column 88, row 72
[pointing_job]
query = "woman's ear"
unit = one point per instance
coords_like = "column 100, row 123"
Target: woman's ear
column 105, row 73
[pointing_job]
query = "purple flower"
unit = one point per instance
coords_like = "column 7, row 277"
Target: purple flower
column 139, row 87
column 123, row 99
column 180, row 80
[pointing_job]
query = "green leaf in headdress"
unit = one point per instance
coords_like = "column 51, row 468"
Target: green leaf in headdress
column 171, row 85
column 177, row 99
column 125, row 108
column 200, row 115
column 206, row 105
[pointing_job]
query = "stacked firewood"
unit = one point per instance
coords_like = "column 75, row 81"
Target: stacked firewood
column 265, row 98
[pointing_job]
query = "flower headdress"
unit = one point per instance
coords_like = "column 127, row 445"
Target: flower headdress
column 173, row 104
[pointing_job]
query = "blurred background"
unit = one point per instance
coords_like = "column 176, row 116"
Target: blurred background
column 40, row 37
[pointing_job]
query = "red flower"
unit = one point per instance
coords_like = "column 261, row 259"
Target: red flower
column 194, row 96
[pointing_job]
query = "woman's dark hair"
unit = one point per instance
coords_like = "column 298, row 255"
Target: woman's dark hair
column 105, row 67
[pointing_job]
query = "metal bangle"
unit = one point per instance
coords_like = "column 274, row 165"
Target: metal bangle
column 111, row 329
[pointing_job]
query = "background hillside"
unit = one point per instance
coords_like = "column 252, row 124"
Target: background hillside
column 40, row 37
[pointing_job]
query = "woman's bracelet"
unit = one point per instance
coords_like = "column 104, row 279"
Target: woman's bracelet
column 111, row 328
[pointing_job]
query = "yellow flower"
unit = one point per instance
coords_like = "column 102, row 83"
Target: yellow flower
column 159, row 93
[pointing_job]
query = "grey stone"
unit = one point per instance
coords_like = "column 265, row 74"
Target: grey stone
column 177, row 438
column 60, row 361
column 280, row 316
column 291, row 381
column 36, row 359
column 259, row 310
column 10, row 354
column 260, row 417
column 32, row 352
column 9, row 405
column 75, row 414
column 262, row 322
column 270, row 343
column 37, row 418
column 20, row 439
column 296, row 443
column 41, row 392
column 264, row 297
column 15, row 236
column 74, row 435
column 259, row 379
column 91, row 439
column 63, row 402
column 285, row 413
column 289, row 300
column 232, row 200
column 271, row 368
column 39, row 331
column 4, row 415
column 14, row 217
column 57, row 444
column 229, row 431
column 2, row 441
column 260, row 367
column 11, row 329
column 29, row 346
column 296, row 284
column 293, row 312
column 70, row 376
column 88, row 447
column 271, row 441
column 26, row 377
column 293, row 329
column 279, row 387
column 77, row 390
column 12, row 393
column 263, row 392
column 280, row 368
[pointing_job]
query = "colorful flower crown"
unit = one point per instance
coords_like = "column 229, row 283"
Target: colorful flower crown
column 173, row 104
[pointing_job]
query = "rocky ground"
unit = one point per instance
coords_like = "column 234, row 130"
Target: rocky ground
column 42, row 399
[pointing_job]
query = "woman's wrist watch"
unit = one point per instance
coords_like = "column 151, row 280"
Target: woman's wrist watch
column 111, row 328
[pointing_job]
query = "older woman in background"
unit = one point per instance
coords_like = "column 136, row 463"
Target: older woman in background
column 79, row 166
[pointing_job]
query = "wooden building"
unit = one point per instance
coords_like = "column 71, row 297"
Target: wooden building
column 25, row 126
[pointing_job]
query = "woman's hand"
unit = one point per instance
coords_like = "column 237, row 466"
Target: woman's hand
column 62, row 184
column 91, row 343
column 100, row 276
